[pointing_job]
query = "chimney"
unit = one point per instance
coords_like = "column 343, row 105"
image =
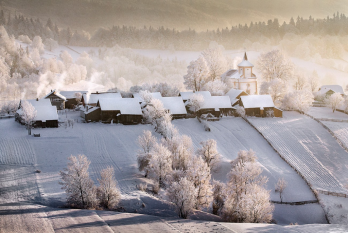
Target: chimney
column 37, row 99
column 97, row 92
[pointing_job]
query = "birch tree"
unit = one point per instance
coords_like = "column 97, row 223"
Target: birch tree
column 79, row 188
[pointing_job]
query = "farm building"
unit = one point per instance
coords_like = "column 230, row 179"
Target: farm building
column 92, row 99
column 46, row 114
column 91, row 113
column 70, row 97
column 242, row 78
column 56, row 99
column 328, row 90
column 216, row 105
column 175, row 106
column 124, row 110
column 235, row 95
column 259, row 105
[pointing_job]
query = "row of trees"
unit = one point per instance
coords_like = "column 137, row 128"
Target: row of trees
column 80, row 189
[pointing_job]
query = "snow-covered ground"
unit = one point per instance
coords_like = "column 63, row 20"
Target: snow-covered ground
column 326, row 113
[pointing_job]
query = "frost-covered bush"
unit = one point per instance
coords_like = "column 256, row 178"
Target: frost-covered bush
column 216, row 87
column 107, row 192
column 24, row 39
column 160, row 164
column 270, row 113
column 298, row 100
column 195, row 102
column 240, row 111
column 210, row 154
column 334, row 101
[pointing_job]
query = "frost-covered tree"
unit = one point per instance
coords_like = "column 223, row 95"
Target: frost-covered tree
column 218, row 196
column 240, row 111
column 216, row 87
column 243, row 202
column 28, row 114
column 181, row 149
column 216, row 61
column 66, row 58
column 51, row 44
column 146, row 143
column 276, row 88
column 165, row 89
column 79, row 188
column 107, row 192
column 275, row 65
column 24, row 39
column 300, row 81
column 199, row 173
column 298, row 100
column 334, row 101
column 197, row 74
column 37, row 43
column 183, row 195
column 313, row 81
column 195, row 102
column 160, row 163
column 210, row 154
column 78, row 97
column 280, row 187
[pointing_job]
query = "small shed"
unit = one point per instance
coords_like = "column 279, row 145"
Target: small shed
column 56, row 99
column 259, row 105
column 91, row 113
column 216, row 105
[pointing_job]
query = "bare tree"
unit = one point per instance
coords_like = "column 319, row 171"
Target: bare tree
column 210, row 154
column 107, row 192
column 28, row 115
column 280, row 186
column 183, row 195
column 80, row 189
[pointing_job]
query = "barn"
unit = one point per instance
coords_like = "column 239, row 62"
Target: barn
column 91, row 113
column 56, row 99
column 123, row 110
column 216, row 105
column 46, row 114
column 259, row 105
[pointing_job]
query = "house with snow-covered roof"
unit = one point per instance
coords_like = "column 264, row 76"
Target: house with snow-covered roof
column 328, row 90
column 259, row 105
column 92, row 99
column 175, row 106
column 123, row 110
column 242, row 78
column 155, row 95
column 235, row 95
column 46, row 114
column 216, row 105
column 187, row 94
column 70, row 97
column 56, row 99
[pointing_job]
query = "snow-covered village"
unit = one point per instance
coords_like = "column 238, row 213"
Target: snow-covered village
column 173, row 116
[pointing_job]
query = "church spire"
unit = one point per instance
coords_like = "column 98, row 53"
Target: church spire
column 245, row 56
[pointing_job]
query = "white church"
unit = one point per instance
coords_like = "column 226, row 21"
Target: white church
column 243, row 78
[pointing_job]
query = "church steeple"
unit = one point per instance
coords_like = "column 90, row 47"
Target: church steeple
column 245, row 57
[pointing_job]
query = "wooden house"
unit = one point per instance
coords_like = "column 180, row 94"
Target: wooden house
column 46, row 114
column 123, row 110
column 70, row 97
column 216, row 105
column 327, row 90
column 56, row 99
column 175, row 106
column 259, row 105
column 91, row 113
column 235, row 95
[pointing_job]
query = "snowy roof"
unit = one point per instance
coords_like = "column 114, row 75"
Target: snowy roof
column 55, row 93
column 70, row 94
column 174, row 104
column 234, row 93
column 94, row 97
column 40, row 102
column 232, row 73
column 257, row 101
column 334, row 88
column 155, row 95
column 138, row 97
column 216, row 102
column 205, row 94
column 128, row 106
column 186, row 95
column 88, row 109
column 245, row 62
column 43, row 112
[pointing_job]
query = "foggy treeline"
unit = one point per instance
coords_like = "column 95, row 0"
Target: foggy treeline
column 304, row 38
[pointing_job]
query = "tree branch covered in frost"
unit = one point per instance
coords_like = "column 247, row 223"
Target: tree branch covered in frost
column 334, row 101
column 298, row 100
column 28, row 114
column 210, row 154
column 160, row 163
column 195, row 102
column 146, row 142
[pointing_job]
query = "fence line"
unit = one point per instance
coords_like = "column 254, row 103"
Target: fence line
column 295, row 203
